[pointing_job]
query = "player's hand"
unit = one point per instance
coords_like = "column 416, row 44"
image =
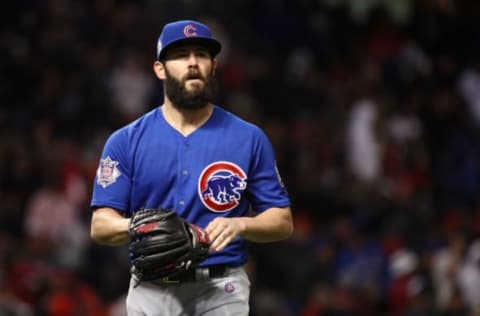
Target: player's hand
column 222, row 231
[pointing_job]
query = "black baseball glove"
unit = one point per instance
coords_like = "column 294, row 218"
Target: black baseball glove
column 164, row 245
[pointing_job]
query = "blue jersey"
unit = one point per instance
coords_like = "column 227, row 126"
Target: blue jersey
column 224, row 168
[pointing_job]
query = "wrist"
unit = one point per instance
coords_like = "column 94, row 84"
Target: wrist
column 243, row 224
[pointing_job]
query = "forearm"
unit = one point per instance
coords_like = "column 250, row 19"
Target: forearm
column 271, row 225
column 109, row 228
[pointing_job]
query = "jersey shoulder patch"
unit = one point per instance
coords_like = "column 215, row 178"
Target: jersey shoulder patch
column 107, row 172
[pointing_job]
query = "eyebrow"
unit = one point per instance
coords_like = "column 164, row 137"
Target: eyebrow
column 185, row 49
column 190, row 48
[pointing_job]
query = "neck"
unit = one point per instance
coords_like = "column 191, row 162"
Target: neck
column 186, row 121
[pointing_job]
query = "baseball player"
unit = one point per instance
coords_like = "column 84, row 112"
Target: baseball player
column 213, row 169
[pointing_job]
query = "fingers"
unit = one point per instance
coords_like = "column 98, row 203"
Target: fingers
column 220, row 242
column 221, row 232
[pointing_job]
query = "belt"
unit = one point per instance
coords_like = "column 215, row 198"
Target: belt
column 197, row 274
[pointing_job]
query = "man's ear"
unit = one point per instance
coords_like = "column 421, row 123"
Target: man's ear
column 214, row 67
column 159, row 69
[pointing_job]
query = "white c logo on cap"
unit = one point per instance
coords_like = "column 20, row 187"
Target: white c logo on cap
column 190, row 30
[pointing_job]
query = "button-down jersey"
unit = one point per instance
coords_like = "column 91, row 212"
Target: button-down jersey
column 226, row 167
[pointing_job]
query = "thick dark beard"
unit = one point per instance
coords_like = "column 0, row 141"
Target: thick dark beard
column 185, row 100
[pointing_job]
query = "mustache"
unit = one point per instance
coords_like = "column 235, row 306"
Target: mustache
column 194, row 74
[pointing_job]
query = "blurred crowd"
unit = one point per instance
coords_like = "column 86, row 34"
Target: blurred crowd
column 373, row 108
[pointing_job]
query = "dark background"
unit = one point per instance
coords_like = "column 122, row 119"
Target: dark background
column 373, row 108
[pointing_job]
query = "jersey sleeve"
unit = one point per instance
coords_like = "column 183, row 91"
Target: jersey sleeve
column 265, row 186
column 112, row 185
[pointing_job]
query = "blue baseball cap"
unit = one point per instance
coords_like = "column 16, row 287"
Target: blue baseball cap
column 183, row 32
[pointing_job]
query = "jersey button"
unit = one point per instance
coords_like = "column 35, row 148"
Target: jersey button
column 185, row 172
column 181, row 202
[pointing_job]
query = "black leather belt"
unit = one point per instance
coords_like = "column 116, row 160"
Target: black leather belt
column 198, row 274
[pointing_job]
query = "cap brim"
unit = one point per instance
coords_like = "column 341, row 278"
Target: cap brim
column 213, row 46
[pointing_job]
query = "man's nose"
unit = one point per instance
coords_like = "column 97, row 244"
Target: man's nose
column 192, row 59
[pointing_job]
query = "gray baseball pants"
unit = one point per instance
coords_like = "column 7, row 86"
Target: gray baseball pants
column 223, row 296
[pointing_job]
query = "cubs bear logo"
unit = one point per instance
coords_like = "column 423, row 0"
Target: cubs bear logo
column 220, row 186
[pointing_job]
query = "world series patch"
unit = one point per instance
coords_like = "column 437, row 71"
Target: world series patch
column 107, row 172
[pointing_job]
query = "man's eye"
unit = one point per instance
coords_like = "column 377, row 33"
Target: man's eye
column 202, row 54
column 186, row 54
